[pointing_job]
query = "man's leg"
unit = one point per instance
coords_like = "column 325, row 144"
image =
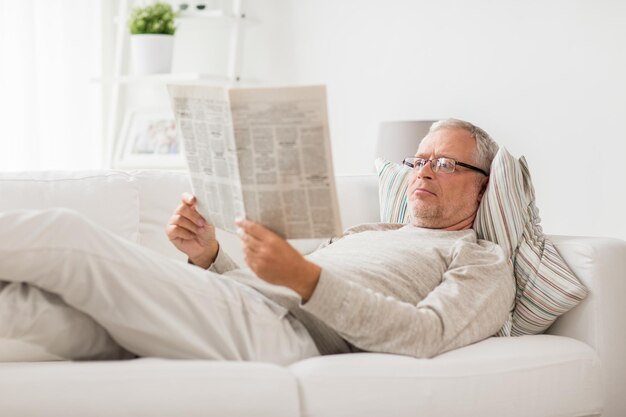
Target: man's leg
column 150, row 305
column 44, row 327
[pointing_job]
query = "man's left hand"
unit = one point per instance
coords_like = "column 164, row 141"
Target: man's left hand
column 273, row 259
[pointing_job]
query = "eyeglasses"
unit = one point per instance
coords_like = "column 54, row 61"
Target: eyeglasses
column 445, row 165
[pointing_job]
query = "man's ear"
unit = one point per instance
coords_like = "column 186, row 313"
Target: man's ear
column 483, row 187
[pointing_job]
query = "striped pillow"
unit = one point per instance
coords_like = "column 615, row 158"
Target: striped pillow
column 546, row 287
column 393, row 181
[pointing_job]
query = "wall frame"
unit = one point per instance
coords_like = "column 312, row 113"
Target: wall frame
column 149, row 139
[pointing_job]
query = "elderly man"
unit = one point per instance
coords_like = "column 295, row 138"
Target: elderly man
column 419, row 289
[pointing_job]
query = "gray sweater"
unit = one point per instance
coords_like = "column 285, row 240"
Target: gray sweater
column 398, row 289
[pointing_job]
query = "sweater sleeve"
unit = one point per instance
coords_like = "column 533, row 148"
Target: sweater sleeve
column 222, row 263
column 470, row 304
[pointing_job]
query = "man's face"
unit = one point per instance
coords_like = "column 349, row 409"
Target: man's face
column 446, row 200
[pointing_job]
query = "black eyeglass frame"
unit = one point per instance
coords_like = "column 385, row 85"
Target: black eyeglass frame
column 435, row 168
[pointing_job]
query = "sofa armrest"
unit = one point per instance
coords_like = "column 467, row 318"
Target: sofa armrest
column 600, row 263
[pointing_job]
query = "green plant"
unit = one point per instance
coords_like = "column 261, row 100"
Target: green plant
column 154, row 19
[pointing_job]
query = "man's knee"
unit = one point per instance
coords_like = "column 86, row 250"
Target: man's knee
column 63, row 216
column 61, row 213
column 40, row 220
column 61, row 222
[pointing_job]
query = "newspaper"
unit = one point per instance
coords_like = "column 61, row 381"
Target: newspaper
column 262, row 154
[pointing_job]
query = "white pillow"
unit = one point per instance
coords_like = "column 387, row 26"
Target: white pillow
column 159, row 194
column 109, row 198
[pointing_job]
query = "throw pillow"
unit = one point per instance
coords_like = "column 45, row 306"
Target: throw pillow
column 546, row 287
column 393, row 181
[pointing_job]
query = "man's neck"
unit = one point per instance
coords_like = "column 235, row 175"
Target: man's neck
column 463, row 224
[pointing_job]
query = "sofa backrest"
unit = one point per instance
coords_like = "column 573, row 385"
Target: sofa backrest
column 138, row 204
column 108, row 198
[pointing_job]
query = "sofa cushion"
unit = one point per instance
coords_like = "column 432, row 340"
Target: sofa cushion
column 109, row 198
column 159, row 195
column 147, row 387
column 524, row 376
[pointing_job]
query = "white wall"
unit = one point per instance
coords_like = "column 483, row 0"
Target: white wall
column 545, row 78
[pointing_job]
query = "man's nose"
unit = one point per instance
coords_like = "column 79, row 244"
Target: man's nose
column 425, row 171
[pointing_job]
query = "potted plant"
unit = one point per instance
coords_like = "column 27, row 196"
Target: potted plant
column 152, row 37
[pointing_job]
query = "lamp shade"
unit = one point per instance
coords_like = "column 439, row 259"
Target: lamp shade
column 400, row 139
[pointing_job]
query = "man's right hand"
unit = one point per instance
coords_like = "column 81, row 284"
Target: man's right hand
column 191, row 234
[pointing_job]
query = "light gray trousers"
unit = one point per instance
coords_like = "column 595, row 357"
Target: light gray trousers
column 150, row 305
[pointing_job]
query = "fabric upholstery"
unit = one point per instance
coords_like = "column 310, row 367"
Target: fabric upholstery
column 109, row 198
column 147, row 387
column 600, row 319
column 526, row 376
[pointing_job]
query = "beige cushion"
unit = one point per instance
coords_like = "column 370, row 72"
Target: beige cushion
column 147, row 387
column 536, row 376
column 109, row 198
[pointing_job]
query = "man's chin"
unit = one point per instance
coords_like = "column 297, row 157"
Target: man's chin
column 423, row 216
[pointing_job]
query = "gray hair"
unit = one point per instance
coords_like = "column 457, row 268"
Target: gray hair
column 486, row 147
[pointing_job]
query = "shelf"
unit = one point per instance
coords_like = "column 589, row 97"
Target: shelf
column 119, row 81
column 164, row 78
column 205, row 14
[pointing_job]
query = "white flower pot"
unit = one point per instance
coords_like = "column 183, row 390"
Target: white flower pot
column 152, row 54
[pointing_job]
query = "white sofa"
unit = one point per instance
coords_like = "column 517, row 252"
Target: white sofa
column 577, row 369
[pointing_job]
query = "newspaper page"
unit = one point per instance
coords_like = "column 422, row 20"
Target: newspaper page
column 205, row 127
column 285, row 160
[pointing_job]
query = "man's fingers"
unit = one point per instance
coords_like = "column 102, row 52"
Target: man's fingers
column 188, row 199
column 250, row 260
column 250, row 242
column 191, row 213
column 185, row 223
column 252, row 257
column 188, row 209
column 174, row 232
column 253, row 229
